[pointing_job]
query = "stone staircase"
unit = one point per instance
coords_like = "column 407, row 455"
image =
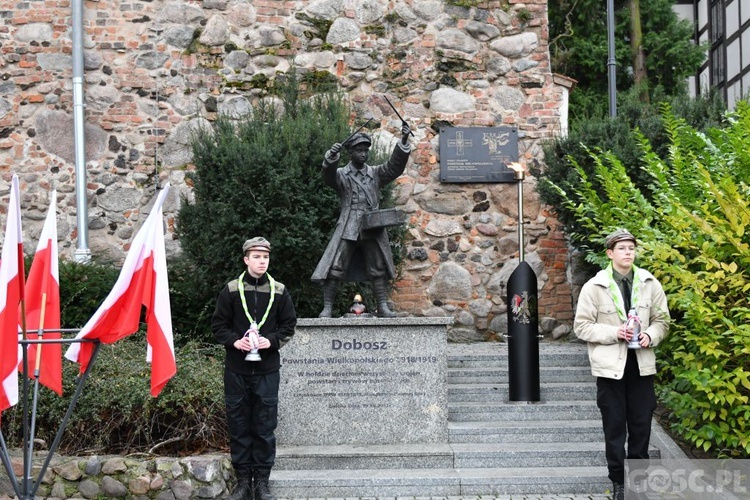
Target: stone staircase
column 495, row 447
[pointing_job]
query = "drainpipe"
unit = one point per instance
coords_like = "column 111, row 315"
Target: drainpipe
column 82, row 252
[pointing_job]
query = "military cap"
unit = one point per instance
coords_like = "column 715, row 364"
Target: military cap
column 257, row 243
column 358, row 138
column 618, row 235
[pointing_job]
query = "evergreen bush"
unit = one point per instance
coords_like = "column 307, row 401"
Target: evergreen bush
column 692, row 231
column 617, row 135
column 83, row 287
column 117, row 414
column 579, row 48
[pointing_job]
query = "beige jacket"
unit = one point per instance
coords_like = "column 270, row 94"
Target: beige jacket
column 600, row 313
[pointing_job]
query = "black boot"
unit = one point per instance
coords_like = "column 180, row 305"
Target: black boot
column 260, row 484
column 244, row 489
column 618, row 491
column 379, row 287
column 330, row 287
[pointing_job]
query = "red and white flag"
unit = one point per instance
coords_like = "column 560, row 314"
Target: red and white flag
column 43, row 304
column 11, row 294
column 142, row 282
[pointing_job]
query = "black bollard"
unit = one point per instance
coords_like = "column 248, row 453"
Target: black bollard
column 523, row 331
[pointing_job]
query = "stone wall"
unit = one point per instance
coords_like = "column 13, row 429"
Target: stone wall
column 155, row 70
column 162, row 478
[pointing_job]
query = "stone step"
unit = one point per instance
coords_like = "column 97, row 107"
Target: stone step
column 549, row 391
column 496, row 355
column 499, row 375
column 495, row 455
column 552, row 410
column 495, row 447
column 444, row 456
column 339, row 457
column 526, row 431
column 448, row 482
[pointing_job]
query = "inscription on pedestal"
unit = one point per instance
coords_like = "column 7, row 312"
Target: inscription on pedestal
column 364, row 381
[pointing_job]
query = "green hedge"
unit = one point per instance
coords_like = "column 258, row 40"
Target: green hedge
column 616, row 135
column 116, row 413
column 693, row 235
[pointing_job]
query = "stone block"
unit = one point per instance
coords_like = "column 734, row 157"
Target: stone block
column 364, row 381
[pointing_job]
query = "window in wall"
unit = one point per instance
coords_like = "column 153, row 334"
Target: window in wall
column 733, row 59
column 731, row 19
column 702, row 13
column 717, row 55
column 717, row 22
column 717, row 65
column 734, row 94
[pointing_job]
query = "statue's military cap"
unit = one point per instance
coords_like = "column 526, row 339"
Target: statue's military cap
column 358, row 138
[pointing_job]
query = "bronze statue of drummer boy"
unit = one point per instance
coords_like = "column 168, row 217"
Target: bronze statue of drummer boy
column 359, row 249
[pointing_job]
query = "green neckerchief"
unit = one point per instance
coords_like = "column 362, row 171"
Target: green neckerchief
column 241, row 286
column 617, row 294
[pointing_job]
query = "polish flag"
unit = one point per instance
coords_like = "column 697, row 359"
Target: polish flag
column 142, row 282
column 11, row 294
column 43, row 305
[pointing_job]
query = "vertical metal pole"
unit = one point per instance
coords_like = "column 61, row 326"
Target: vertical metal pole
column 27, row 444
column 82, row 252
column 611, row 61
column 519, row 178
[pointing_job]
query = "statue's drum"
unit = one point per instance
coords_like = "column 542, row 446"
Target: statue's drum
column 388, row 217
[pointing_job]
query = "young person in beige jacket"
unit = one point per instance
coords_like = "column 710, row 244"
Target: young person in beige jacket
column 625, row 376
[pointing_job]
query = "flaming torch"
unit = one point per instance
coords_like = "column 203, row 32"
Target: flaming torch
column 523, row 318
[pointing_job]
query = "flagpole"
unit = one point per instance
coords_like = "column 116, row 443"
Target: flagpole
column 40, row 334
column 37, row 371
column 25, row 405
column 32, row 433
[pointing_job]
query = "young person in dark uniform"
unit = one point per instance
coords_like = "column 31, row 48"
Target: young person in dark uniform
column 625, row 370
column 253, row 319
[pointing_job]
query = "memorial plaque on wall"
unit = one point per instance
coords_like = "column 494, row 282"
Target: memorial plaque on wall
column 478, row 154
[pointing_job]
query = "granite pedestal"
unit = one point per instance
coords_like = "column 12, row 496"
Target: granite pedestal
column 364, row 381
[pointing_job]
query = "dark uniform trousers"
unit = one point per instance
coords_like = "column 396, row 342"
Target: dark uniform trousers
column 252, row 403
column 374, row 263
column 627, row 406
